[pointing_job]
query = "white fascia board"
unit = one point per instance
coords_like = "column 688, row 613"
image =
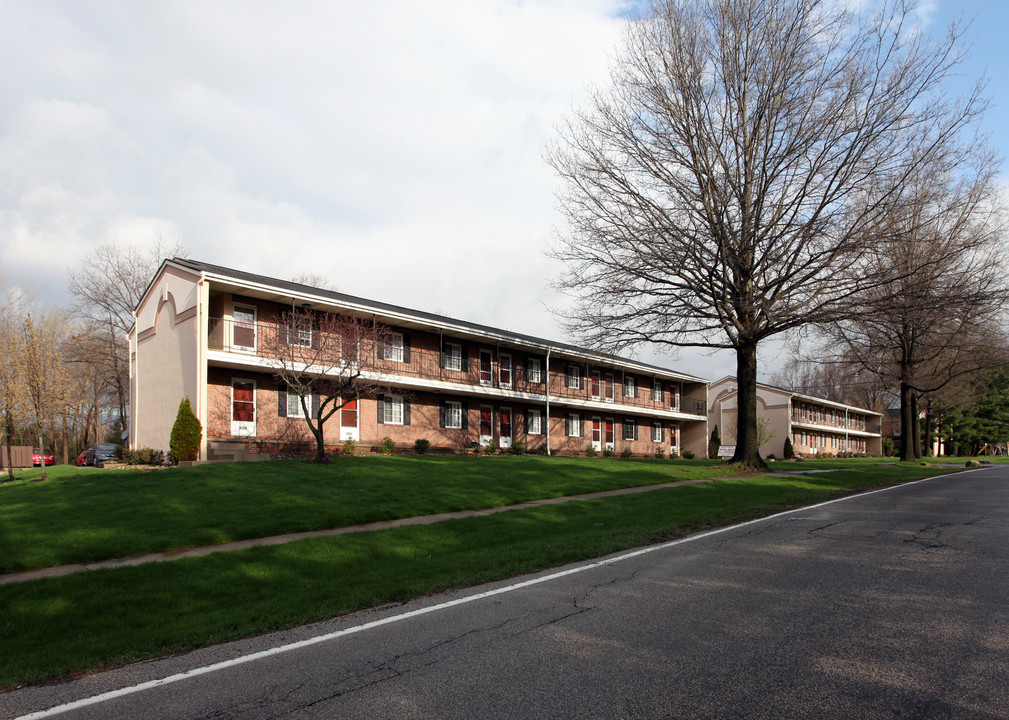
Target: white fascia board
column 447, row 324
column 834, row 430
column 831, row 403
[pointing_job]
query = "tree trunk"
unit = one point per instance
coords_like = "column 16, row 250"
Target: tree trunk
column 320, row 441
column 747, row 454
column 9, row 423
column 908, row 426
column 918, row 453
column 42, row 456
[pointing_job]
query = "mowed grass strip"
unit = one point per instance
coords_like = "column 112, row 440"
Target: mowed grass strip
column 55, row 627
column 82, row 515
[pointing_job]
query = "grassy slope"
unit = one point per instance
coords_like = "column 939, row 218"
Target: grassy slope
column 71, row 624
column 84, row 514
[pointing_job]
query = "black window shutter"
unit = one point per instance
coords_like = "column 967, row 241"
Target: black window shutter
column 406, row 349
column 282, row 400
column 465, row 416
column 380, row 402
column 464, row 350
column 634, row 427
column 581, row 427
column 314, row 323
column 568, row 374
column 315, row 406
column 567, row 425
column 526, row 418
column 527, row 368
column 406, row 412
column 442, row 411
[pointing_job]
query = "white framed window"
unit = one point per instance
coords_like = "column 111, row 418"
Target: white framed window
column 534, row 370
column 656, row 390
column 393, row 410
column 393, row 348
column 573, row 377
column 294, row 405
column 299, row 332
column 629, row 389
column 630, row 429
column 452, row 356
column 573, row 425
column 534, row 421
column 453, row 414
column 657, row 433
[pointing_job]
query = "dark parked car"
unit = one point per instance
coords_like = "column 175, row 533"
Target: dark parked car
column 37, row 457
column 100, row 452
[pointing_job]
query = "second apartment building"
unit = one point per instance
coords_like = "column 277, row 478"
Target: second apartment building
column 459, row 385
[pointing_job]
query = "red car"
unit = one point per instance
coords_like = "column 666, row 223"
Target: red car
column 37, row 456
column 79, row 462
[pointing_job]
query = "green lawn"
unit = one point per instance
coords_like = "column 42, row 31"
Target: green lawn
column 59, row 626
column 87, row 514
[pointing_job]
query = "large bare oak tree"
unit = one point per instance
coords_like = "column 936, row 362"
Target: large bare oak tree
column 718, row 191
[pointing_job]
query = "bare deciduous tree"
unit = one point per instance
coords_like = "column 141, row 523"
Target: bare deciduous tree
column 941, row 315
column 43, row 373
column 107, row 288
column 716, row 191
column 327, row 361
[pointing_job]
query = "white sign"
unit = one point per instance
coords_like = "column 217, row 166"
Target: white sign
column 726, row 451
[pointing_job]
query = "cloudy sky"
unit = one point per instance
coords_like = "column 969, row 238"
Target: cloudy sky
column 395, row 147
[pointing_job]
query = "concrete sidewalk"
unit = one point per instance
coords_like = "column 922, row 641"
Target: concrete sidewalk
column 176, row 553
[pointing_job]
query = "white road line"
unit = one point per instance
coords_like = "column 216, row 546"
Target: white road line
column 280, row 649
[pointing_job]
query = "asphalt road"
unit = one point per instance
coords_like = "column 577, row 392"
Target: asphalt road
column 893, row 604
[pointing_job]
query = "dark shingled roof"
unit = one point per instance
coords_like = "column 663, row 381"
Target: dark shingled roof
column 380, row 307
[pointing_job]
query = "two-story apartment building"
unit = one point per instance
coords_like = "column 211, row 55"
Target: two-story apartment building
column 814, row 425
column 199, row 331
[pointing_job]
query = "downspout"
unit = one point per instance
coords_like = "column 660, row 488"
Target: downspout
column 547, row 387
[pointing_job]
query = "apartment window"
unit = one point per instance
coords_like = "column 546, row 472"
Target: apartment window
column 452, row 415
column 394, row 349
column 451, row 356
column 595, row 385
column 294, row 405
column 534, row 370
column 608, row 388
column 348, row 414
column 658, row 432
column 392, row 410
column 573, row 426
column 630, row 429
column 573, row 377
column 534, row 421
column 656, row 390
column 629, row 388
column 802, row 411
column 505, row 370
column 299, row 331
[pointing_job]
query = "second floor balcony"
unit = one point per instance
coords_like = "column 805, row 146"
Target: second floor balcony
column 504, row 370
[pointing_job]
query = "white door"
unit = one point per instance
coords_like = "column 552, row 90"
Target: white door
column 505, row 418
column 486, row 425
column 597, row 434
column 349, row 429
column 243, row 329
column 243, row 408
